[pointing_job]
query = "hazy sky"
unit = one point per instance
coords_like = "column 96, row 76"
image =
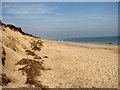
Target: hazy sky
column 63, row 20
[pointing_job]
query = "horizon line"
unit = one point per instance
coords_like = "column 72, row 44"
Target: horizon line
column 81, row 37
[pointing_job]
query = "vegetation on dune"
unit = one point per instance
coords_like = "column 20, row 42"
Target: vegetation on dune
column 12, row 27
column 3, row 56
column 32, row 69
column 5, row 80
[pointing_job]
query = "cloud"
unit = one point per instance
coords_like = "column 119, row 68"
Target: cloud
column 54, row 20
column 28, row 9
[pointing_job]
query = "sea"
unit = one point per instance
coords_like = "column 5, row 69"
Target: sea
column 97, row 40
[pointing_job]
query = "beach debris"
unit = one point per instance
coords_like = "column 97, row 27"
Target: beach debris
column 45, row 57
column 109, row 43
column 94, row 87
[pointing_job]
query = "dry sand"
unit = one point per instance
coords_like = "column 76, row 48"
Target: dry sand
column 75, row 65
column 66, row 64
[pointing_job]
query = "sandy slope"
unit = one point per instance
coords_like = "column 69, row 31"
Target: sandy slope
column 79, row 65
column 15, row 45
column 65, row 64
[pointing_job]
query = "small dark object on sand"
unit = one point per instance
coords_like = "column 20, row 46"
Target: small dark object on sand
column 28, row 52
column 36, row 48
column 37, row 57
column 45, row 57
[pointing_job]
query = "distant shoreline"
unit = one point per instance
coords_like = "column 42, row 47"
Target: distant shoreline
column 112, row 40
column 80, row 42
column 85, row 45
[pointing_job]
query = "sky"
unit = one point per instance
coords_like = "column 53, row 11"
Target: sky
column 60, row 0
column 0, row 10
column 55, row 20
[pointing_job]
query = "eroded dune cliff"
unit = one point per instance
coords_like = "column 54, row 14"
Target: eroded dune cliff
column 21, row 65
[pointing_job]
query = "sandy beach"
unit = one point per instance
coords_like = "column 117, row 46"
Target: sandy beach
column 31, row 62
column 75, row 65
column 59, row 44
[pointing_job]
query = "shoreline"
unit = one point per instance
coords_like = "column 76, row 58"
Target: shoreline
column 87, row 45
column 82, row 42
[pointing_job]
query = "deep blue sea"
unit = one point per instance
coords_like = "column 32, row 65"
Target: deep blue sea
column 97, row 40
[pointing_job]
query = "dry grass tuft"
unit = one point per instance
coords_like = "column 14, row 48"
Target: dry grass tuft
column 5, row 80
column 34, row 82
column 32, row 69
column 36, row 48
column 37, row 57
column 3, row 56
column 19, row 29
column 28, row 52
column 36, row 45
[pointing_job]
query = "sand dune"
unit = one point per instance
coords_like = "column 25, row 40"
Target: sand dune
column 18, row 46
column 32, row 62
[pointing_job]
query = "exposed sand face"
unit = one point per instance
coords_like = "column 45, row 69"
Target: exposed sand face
column 15, row 45
column 65, row 65
column 75, row 65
